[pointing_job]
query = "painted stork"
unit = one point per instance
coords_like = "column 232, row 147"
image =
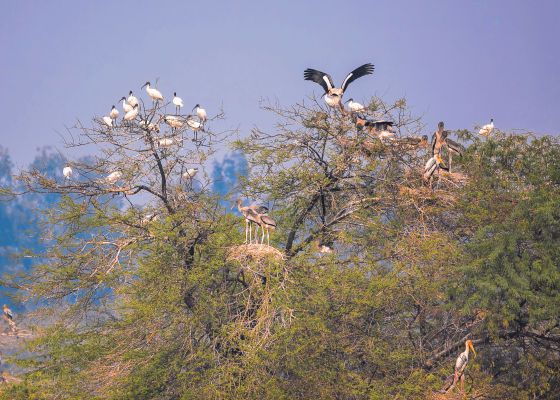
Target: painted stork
column 433, row 163
column 126, row 107
column 259, row 209
column 327, row 84
column 113, row 177
column 132, row 100
column 108, row 121
column 487, row 129
column 8, row 313
column 190, row 173
column 355, row 107
column 438, row 139
column 67, row 172
column 153, row 93
column 266, row 223
column 250, row 216
column 114, row 114
column 461, row 363
column 452, row 147
column 178, row 103
column 382, row 129
column 200, row 113
column 132, row 114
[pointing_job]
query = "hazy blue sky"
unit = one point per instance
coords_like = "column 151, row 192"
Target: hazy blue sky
column 462, row 61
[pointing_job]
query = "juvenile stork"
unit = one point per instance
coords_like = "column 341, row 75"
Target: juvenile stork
column 355, row 107
column 8, row 313
column 251, row 217
column 153, row 93
column 414, row 142
column 327, row 84
column 452, row 147
column 382, row 129
column 461, row 363
column 126, row 107
column 67, row 172
column 259, row 209
column 487, row 129
column 114, row 114
column 178, row 103
column 266, row 223
column 132, row 100
column 438, row 139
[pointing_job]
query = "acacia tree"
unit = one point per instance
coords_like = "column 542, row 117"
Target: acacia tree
column 171, row 307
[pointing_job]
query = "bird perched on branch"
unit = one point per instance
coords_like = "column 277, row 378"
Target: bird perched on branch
column 132, row 100
column 190, row 173
column 487, row 129
column 67, row 172
column 250, row 216
column 145, row 124
column 433, row 163
column 178, row 103
column 108, row 121
column 267, row 224
column 126, row 107
column 8, row 313
column 172, row 121
column 132, row 114
column 114, row 114
column 165, row 143
column 461, row 363
column 327, row 84
column 113, row 177
column 194, row 125
column 452, row 147
column 200, row 113
column 382, row 129
column 153, row 93
column 355, row 107
column 322, row 248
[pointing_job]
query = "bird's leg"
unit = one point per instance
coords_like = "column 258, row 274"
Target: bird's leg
column 438, row 178
column 267, row 238
column 262, row 240
column 250, row 232
column 462, row 381
column 256, row 231
column 246, row 230
column 449, row 163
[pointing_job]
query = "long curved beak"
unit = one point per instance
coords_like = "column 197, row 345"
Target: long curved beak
column 472, row 348
column 193, row 108
column 143, row 86
column 441, row 161
column 233, row 206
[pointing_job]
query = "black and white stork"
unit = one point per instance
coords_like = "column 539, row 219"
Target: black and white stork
column 8, row 313
column 461, row 363
column 327, row 84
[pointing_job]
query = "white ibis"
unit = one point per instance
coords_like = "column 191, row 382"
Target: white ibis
column 114, row 114
column 8, row 313
column 153, row 93
column 145, row 124
column 165, row 143
column 126, row 107
column 178, row 102
column 487, row 129
column 194, row 125
column 353, row 106
column 113, row 177
column 108, row 121
column 190, row 173
column 251, row 217
column 132, row 114
column 326, row 82
column 132, row 100
column 461, row 363
column 67, row 172
column 200, row 113
column 172, row 121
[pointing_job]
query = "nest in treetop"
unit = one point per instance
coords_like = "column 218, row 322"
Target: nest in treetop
column 251, row 254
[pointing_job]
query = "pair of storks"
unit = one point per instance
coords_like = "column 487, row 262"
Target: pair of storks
column 258, row 215
column 439, row 140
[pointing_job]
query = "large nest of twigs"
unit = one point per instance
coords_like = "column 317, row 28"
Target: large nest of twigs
column 254, row 253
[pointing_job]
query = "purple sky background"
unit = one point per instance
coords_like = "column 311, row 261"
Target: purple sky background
column 462, row 62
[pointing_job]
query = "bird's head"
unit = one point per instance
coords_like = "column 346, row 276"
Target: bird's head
column 113, row 108
column 491, row 119
column 469, row 344
column 440, row 127
column 438, row 158
column 197, row 106
column 5, row 306
column 136, row 105
column 146, row 84
column 350, row 99
column 124, row 98
column 238, row 201
column 130, row 93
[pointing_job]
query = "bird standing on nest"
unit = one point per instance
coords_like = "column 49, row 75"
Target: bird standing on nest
column 461, row 363
column 250, row 216
column 326, row 83
column 267, row 224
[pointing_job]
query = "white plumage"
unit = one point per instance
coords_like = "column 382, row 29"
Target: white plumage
column 144, row 124
column 487, row 129
column 356, row 107
column 132, row 100
column 177, row 101
column 67, row 172
column 200, row 112
column 194, row 125
column 132, row 114
column 190, row 173
column 462, row 361
column 332, row 101
column 165, row 143
column 172, row 121
column 153, row 93
column 108, row 121
column 114, row 113
column 113, row 177
column 126, row 107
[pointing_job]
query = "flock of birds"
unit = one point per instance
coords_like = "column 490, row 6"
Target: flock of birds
column 258, row 214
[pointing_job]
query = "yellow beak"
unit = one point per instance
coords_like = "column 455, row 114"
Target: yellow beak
column 444, row 166
column 472, row 348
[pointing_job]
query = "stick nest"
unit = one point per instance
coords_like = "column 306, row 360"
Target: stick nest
column 250, row 254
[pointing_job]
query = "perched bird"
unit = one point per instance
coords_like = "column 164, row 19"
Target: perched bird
column 12, row 323
column 382, row 128
column 8, row 313
column 178, row 103
column 251, row 217
column 353, row 106
column 67, row 172
column 327, row 84
column 153, row 93
column 172, row 121
column 132, row 114
column 438, row 139
column 190, row 173
column 145, row 124
column 165, row 143
column 461, row 363
column 452, row 147
column 414, row 141
column 108, row 121
column 267, row 224
column 149, row 218
column 200, row 113
column 321, row 248
column 433, row 163
column 114, row 114
column 487, row 129
column 126, row 107
column 113, row 177
column 132, row 100
column 259, row 209
column 194, row 125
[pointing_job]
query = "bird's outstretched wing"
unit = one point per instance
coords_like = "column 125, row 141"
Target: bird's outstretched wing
column 364, row 70
column 319, row 77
